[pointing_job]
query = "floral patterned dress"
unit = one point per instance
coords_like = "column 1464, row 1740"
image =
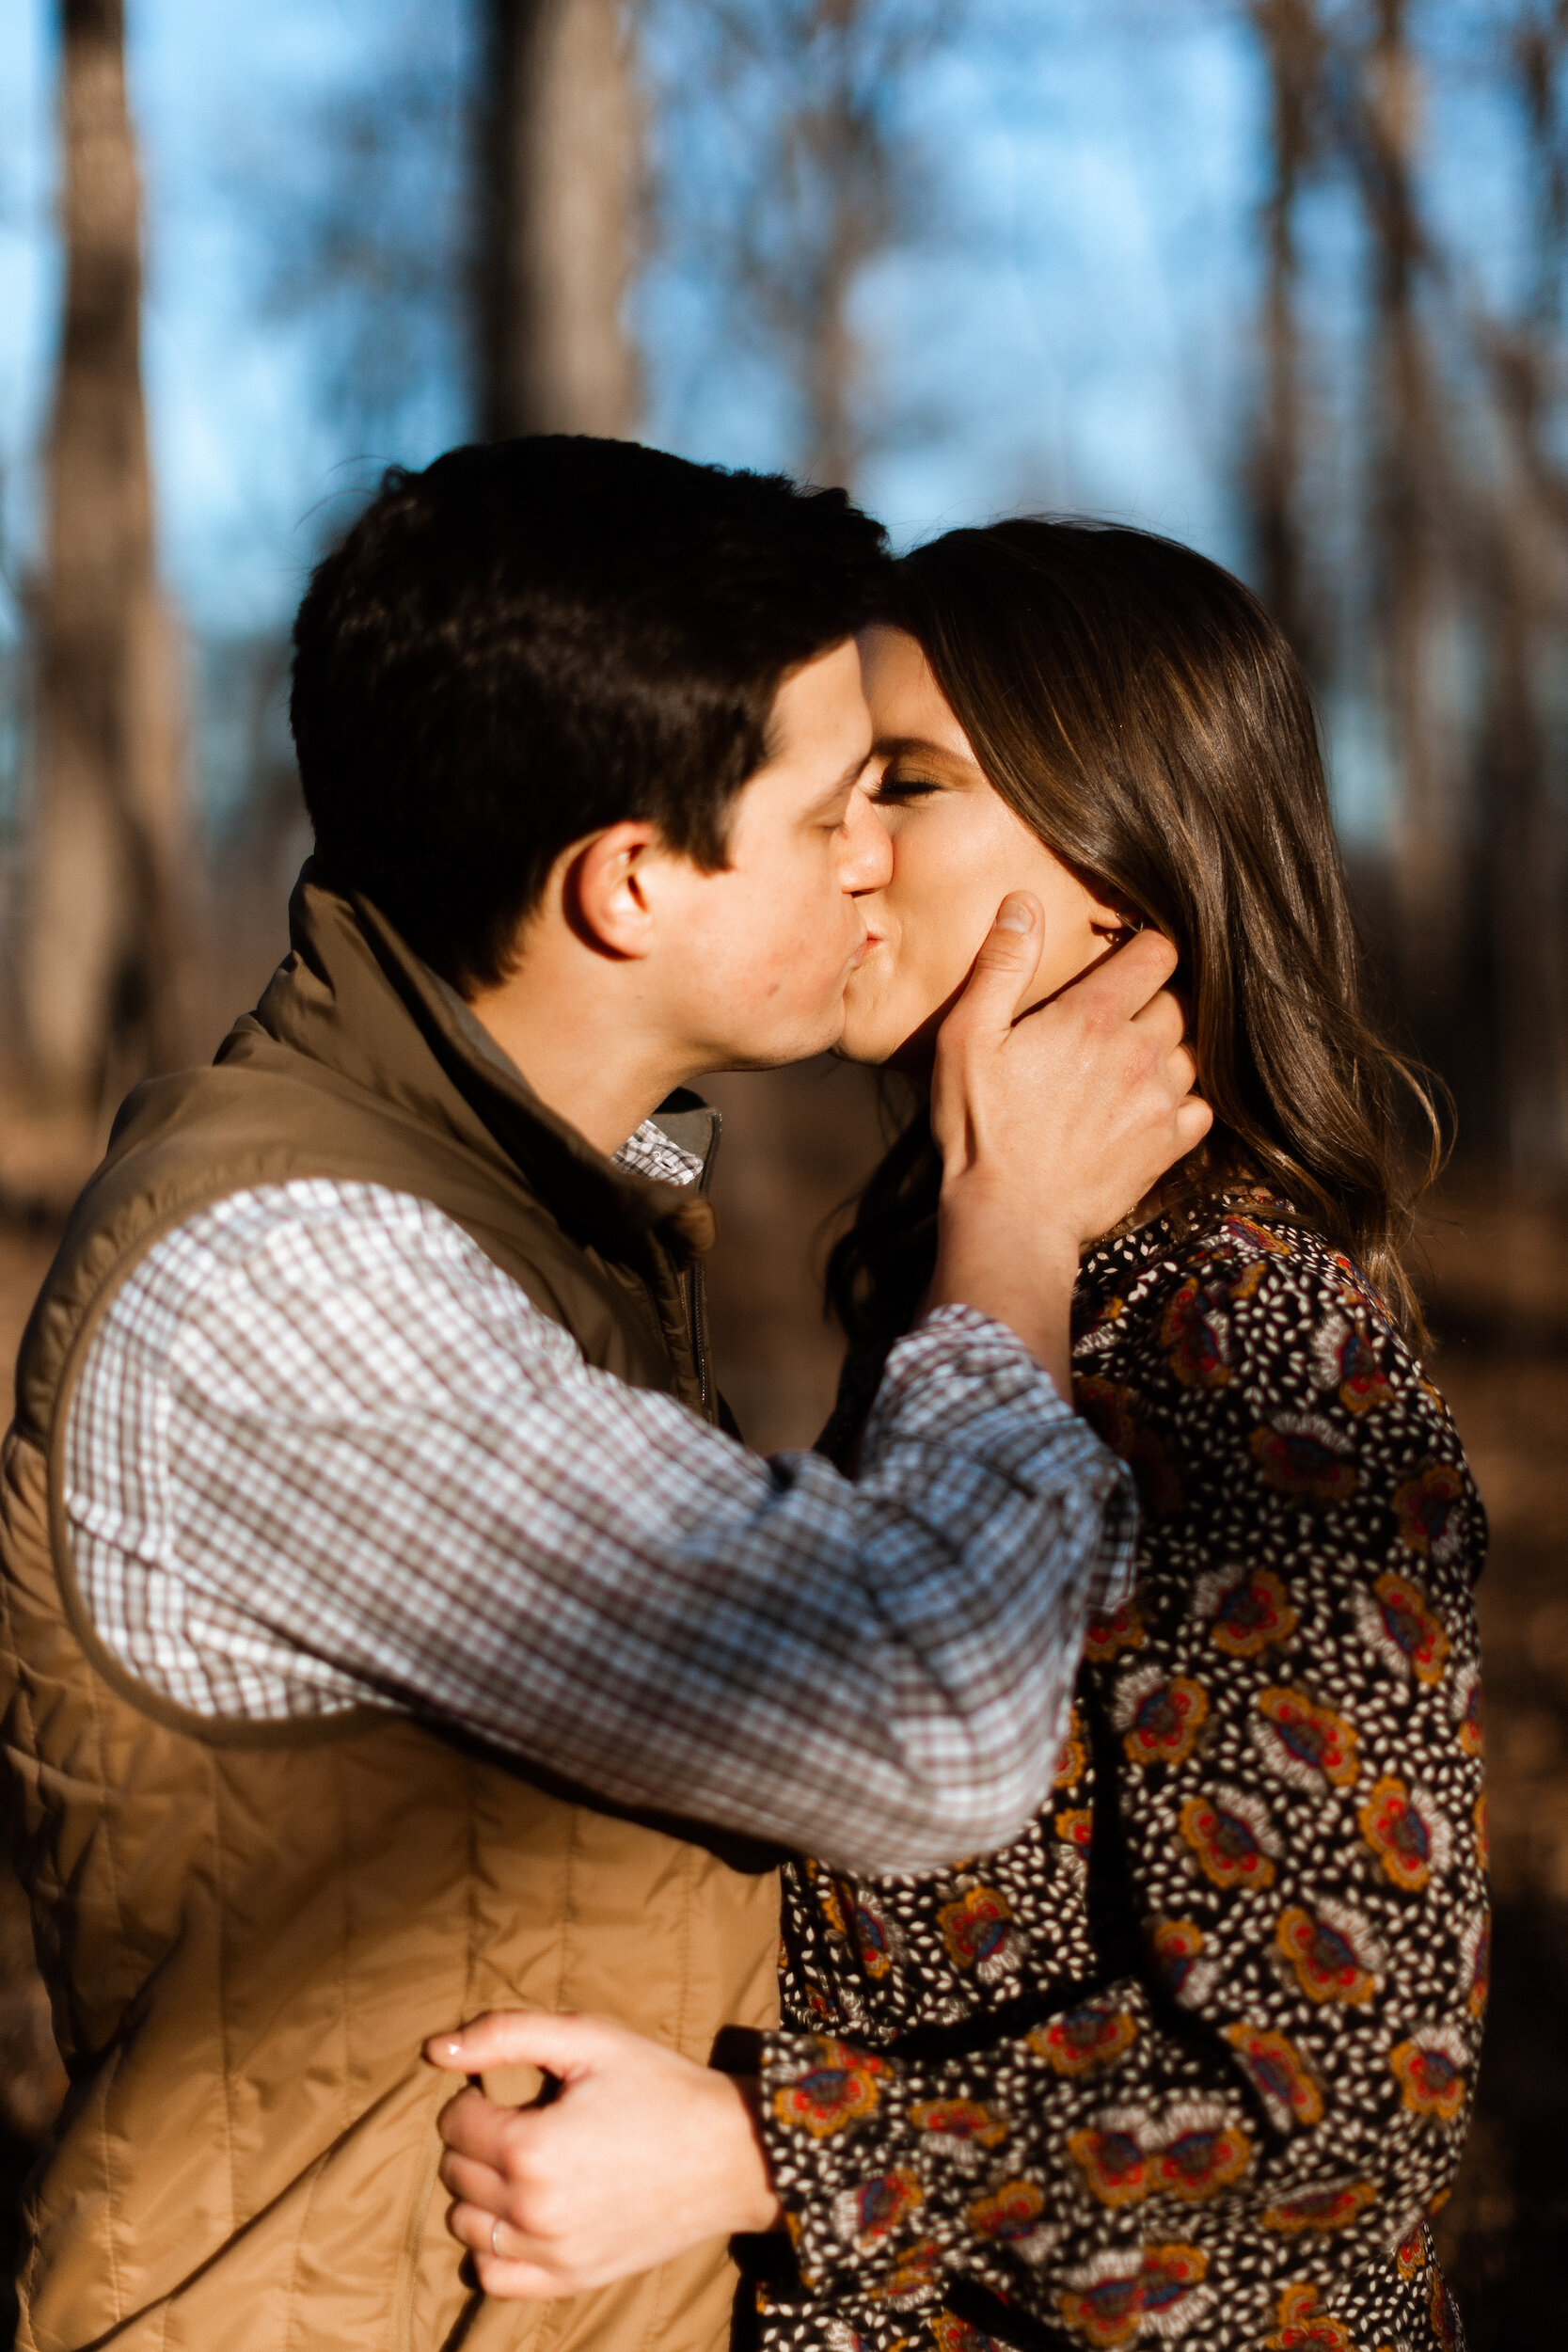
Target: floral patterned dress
column 1191, row 2061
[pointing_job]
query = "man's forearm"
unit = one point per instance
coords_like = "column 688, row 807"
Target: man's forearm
column 876, row 1670
column 584, row 1572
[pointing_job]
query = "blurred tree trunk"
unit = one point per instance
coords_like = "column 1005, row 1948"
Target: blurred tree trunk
column 842, row 135
column 1294, row 48
column 560, row 155
column 1519, row 862
column 1408, row 510
column 109, row 957
column 1522, row 852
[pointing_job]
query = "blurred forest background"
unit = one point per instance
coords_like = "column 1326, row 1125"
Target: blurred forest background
column 1284, row 278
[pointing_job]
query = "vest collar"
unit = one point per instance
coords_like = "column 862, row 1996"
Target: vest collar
column 353, row 996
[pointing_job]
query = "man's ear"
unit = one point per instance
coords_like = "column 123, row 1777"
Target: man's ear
column 602, row 895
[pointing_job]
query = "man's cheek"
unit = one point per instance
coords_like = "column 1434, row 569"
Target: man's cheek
column 798, row 933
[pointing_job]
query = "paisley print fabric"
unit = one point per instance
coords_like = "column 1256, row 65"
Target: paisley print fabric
column 1191, row 2061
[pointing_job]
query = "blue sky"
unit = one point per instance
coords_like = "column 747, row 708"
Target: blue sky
column 1068, row 321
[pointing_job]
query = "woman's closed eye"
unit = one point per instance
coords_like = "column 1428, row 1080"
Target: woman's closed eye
column 897, row 790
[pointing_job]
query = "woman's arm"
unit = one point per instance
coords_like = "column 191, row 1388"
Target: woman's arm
column 641, row 2155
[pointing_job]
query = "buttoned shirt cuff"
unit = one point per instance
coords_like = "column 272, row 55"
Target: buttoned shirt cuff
column 992, row 1349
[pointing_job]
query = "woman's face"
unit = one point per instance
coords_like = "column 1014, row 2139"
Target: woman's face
column 957, row 850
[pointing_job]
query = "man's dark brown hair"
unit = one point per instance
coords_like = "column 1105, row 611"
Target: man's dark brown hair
column 535, row 638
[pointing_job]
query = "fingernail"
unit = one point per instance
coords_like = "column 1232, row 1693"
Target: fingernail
column 1015, row 914
column 453, row 2049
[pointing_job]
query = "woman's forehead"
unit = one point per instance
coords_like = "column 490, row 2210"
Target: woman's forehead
column 908, row 710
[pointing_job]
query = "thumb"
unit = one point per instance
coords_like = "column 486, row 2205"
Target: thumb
column 1009, row 959
column 562, row 2045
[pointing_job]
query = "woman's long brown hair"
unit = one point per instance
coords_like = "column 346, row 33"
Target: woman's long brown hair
column 1142, row 713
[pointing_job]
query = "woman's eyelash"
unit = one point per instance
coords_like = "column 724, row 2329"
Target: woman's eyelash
column 905, row 787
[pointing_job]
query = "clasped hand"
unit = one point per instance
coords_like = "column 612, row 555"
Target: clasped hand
column 640, row 2157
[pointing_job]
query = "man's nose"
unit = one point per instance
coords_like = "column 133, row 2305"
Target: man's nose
column 865, row 859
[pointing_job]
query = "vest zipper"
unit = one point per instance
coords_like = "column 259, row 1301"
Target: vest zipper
column 696, row 1304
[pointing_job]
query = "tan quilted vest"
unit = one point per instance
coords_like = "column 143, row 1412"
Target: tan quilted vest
column 248, row 1930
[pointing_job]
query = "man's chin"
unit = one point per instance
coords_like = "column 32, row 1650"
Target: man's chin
column 779, row 1053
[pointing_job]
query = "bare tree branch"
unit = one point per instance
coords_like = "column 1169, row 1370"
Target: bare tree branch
column 818, row 188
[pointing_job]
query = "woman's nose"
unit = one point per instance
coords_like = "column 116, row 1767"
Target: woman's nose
column 866, row 860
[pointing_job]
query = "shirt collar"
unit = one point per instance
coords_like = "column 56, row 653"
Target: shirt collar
column 651, row 1152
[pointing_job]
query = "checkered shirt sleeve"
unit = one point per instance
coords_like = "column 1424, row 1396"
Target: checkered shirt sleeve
column 323, row 1450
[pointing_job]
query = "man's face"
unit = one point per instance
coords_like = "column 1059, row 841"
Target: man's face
column 752, row 962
